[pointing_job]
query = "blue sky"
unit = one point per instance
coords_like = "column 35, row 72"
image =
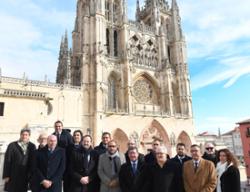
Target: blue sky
column 217, row 34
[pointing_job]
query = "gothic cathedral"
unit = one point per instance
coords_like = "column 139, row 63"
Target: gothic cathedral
column 133, row 74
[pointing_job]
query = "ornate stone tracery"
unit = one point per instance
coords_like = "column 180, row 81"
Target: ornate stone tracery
column 143, row 91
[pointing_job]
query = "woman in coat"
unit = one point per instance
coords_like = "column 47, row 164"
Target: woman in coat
column 228, row 172
column 75, row 146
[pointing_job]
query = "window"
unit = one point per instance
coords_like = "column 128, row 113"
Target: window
column 107, row 41
column 248, row 132
column 1, row 109
column 107, row 10
column 115, row 44
column 112, row 93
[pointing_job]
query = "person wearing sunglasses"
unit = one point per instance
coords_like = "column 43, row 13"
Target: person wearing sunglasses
column 210, row 153
column 109, row 167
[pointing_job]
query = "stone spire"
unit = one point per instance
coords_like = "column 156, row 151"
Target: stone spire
column 125, row 12
column 137, row 15
column 61, row 46
column 66, row 44
column 176, row 24
column 64, row 64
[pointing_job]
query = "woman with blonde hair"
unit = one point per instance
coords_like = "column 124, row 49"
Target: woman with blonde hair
column 228, row 172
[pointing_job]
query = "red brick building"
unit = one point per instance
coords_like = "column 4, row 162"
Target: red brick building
column 245, row 137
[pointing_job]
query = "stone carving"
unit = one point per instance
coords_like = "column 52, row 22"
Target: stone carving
column 134, row 136
column 142, row 91
column 142, row 54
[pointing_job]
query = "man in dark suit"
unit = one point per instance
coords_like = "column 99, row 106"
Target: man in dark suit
column 83, row 167
column 130, row 171
column 150, row 158
column 50, row 166
column 64, row 138
column 103, row 146
column 132, row 144
column 181, row 158
column 42, row 140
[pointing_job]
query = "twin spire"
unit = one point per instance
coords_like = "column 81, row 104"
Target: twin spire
column 64, row 66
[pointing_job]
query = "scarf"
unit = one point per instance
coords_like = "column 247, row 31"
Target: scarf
column 112, row 158
column 221, row 168
column 24, row 146
column 86, row 158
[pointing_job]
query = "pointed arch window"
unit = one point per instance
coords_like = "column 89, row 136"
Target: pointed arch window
column 112, row 93
column 107, row 10
column 107, row 41
column 115, row 43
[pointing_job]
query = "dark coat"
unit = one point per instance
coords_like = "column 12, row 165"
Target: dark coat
column 177, row 160
column 140, row 158
column 66, row 177
column 150, row 158
column 65, row 139
column 165, row 179
column 17, row 167
column 77, row 170
column 100, row 149
column 128, row 181
column 212, row 157
column 33, row 182
column 50, row 167
column 230, row 180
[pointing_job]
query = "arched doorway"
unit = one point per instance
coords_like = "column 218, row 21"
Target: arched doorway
column 154, row 130
column 184, row 138
column 121, row 138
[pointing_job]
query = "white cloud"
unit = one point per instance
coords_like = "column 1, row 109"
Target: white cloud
column 215, row 31
column 30, row 38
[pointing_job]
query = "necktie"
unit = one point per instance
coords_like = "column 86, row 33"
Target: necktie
column 180, row 160
column 195, row 166
column 134, row 168
column 58, row 137
column 50, row 152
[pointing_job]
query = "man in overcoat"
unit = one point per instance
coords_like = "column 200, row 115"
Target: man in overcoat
column 180, row 158
column 130, row 171
column 50, row 166
column 17, row 163
column 199, row 174
column 83, row 168
column 109, row 168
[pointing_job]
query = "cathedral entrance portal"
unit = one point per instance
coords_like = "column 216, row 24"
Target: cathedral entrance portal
column 184, row 138
column 155, row 130
column 121, row 138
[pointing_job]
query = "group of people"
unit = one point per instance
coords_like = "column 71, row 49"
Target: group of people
column 72, row 164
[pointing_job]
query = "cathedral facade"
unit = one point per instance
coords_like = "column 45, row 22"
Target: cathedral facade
column 133, row 74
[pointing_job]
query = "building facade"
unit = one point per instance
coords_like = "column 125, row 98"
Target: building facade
column 36, row 105
column 129, row 78
column 232, row 140
column 245, row 138
column 203, row 138
column 134, row 74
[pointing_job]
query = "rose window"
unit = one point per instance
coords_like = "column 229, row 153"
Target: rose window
column 142, row 91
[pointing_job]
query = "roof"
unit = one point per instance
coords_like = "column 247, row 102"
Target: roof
column 244, row 121
column 206, row 133
column 236, row 129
